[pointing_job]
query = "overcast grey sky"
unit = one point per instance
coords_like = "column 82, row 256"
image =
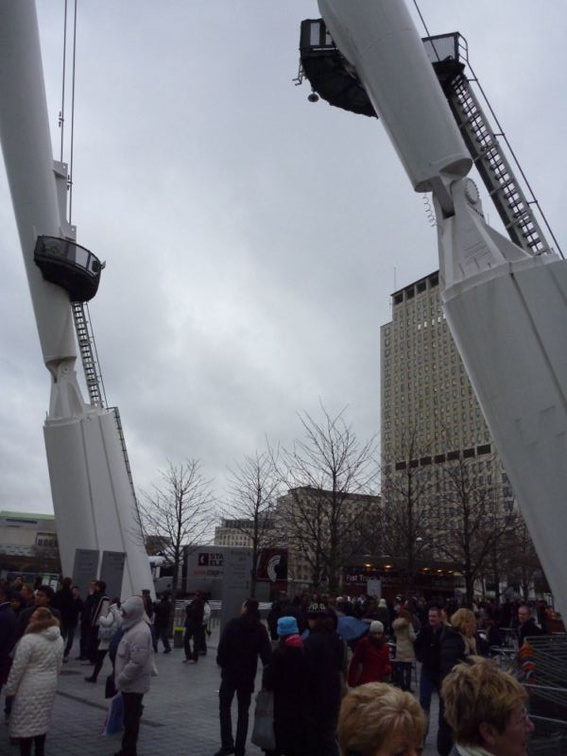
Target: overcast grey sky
column 252, row 239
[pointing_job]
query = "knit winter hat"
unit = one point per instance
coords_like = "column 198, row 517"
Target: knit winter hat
column 287, row 626
column 317, row 610
column 376, row 626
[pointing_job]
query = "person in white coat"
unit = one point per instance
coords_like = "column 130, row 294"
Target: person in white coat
column 108, row 624
column 405, row 654
column 33, row 681
column 133, row 669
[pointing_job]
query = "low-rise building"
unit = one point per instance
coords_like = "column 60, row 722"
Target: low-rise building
column 28, row 543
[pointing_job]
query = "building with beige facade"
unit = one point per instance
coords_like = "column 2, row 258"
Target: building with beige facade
column 28, row 543
column 323, row 531
column 234, row 533
column 430, row 415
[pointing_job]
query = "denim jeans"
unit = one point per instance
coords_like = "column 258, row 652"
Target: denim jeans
column 161, row 635
column 427, row 687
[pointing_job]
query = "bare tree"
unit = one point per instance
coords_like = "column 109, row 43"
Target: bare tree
column 253, row 488
column 407, row 489
column 178, row 513
column 328, row 474
column 521, row 559
column 497, row 563
column 476, row 520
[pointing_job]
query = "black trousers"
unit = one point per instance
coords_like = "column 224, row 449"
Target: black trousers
column 132, row 714
column 93, row 643
column 84, row 640
column 323, row 735
column 194, row 631
column 243, row 696
column 99, row 661
column 26, row 745
column 444, row 732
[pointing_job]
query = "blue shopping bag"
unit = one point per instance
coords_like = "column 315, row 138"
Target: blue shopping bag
column 115, row 717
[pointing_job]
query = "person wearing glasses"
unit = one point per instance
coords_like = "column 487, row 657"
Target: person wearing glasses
column 486, row 709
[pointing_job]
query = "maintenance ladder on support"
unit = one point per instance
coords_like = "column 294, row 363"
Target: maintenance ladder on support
column 89, row 357
column 93, row 375
column 513, row 206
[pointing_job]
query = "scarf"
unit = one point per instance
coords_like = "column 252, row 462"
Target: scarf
column 470, row 645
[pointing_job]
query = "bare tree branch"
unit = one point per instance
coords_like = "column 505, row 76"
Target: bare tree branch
column 178, row 513
column 329, row 475
column 408, row 485
column 253, row 488
column 477, row 521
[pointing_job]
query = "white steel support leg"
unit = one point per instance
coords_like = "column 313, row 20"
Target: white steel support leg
column 92, row 497
column 507, row 312
column 506, row 309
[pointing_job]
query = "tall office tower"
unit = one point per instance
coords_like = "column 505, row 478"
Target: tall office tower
column 430, row 415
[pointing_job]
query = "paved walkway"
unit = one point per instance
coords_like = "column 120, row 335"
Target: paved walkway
column 180, row 715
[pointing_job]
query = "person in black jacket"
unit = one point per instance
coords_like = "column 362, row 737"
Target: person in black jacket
column 457, row 643
column 99, row 605
column 242, row 641
column 88, row 604
column 8, row 625
column 428, row 651
column 194, row 612
column 527, row 627
column 43, row 598
column 325, row 658
column 67, row 601
column 286, row 676
column 162, row 613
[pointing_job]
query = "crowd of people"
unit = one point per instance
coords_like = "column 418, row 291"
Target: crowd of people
column 356, row 697
column 442, row 636
column 37, row 629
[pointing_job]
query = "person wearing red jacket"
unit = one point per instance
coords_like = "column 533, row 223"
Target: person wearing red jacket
column 371, row 658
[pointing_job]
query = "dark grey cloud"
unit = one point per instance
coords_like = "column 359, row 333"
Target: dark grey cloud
column 252, row 239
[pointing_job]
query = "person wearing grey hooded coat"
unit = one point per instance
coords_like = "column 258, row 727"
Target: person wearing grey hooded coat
column 133, row 670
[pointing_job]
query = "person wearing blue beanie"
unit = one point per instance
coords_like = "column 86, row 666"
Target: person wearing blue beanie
column 287, row 626
column 286, row 676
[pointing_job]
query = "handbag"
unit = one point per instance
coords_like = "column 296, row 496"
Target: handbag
column 106, row 633
column 115, row 717
column 263, row 734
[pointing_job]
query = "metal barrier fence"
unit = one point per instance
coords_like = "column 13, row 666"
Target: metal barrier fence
column 214, row 622
column 541, row 666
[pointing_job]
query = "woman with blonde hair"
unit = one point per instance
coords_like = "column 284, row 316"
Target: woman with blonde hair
column 456, row 644
column 405, row 654
column 486, row 709
column 377, row 719
column 33, row 681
